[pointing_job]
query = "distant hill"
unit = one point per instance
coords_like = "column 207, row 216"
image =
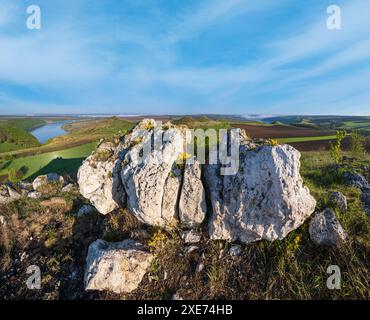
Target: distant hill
column 361, row 123
column 202, row 122
column 28, row 124
column 14, row 135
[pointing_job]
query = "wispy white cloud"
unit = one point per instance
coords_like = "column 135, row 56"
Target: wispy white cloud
column 94, row 60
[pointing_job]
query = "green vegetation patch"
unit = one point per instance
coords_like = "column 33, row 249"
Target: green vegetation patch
column 61, row 162
column 13, row 137
column 303, row 139
column 202, row 122
column 104, row 128
column 28, row 124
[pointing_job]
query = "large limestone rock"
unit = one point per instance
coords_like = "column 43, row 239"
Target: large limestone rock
column 117, row 267
column 264, row 200
column 192, row 207
column 151, row 176
column 325, row 229
column 99, row 178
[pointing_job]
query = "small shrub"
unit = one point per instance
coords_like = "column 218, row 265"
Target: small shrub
column 12, row 175
column 217, row 277
column 149, row 126
column 335, row 149
column 272, row 142
column 103, row 155
column 136, row 142
column 181, row 160
column 357, row 146
column 157, row 241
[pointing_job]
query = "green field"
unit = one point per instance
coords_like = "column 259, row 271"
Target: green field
column 326, row 122
column 62, row 162
column 356, row 125
column 303, row 139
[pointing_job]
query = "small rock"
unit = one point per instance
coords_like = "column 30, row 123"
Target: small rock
column 191, row 236
column 68, row 188
column 45, row 179
column 25, row 185
column 24, row 256
column 34, row 195
column 86, row 210
column 199, row 267
column 13, row 193
column 117, row 267
column 355, row 179
column 235, row 251
column 177, row 297
column 338, row 199
column 365, row 197
column 325, row 229
column 191, row 249
column 8, row 194
column 2, row 220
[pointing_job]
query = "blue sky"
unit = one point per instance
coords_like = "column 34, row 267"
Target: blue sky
column 185, row 57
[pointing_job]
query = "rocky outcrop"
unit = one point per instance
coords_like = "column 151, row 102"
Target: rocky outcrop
column 264, row 200
column 338, row 199
column 117, row 267
column 40, row 181
column 99, row 180
column 325, row 229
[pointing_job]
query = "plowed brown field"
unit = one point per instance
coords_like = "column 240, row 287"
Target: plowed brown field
column 279, row 131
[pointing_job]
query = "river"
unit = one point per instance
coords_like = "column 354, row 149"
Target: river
column 49, row 130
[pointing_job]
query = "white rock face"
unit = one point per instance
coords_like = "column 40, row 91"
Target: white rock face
column 325, row 229
column 45, row 179
column 117, row 267
column 152, row 181
column 192, row 207
column 99, row 181
column 264, row 200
